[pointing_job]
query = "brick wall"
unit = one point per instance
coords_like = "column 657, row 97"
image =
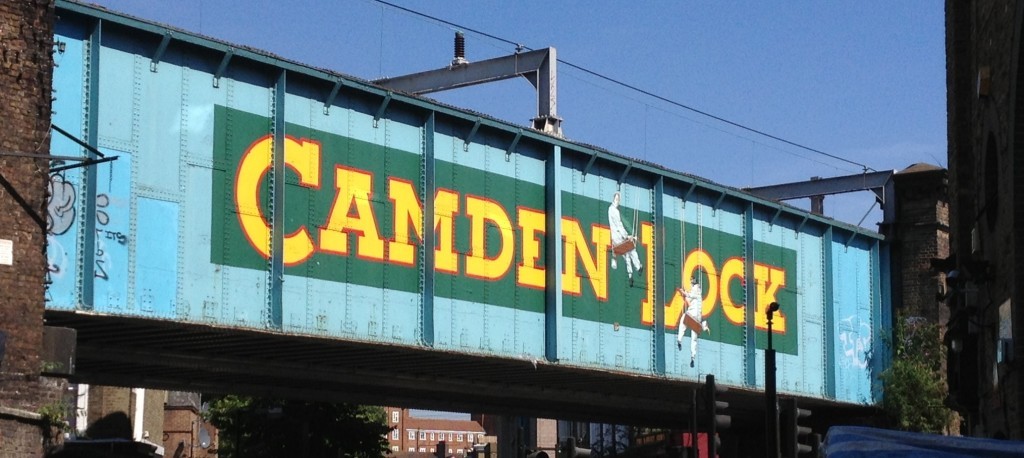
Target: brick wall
column 104, row 401
column 182, row 431
column 921, row 234
column 112, row 412
column 26, row 69
column 983, row 78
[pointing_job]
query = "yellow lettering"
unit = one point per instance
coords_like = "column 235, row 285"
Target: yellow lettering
column 354, row 188
column 595, row 265
column 700, row 259
column 647, row 240
column 673, row 310
column 732, row 269
column 478, row 265
column 303, row 157
column 251, row 168
column 531, row 223
column 408, row 214
column 768, row 280
column 446, row 206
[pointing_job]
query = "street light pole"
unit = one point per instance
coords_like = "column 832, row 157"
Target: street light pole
column 770, row 392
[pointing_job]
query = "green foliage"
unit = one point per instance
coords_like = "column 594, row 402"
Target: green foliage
column 52, row 366
column 914, row 384
column 55, row 416
column 263, row 427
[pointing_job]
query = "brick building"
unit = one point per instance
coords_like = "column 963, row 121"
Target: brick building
column 185, row 433
column 919, row 234
column 413, row 436
column 26, row 70
column 986, row 177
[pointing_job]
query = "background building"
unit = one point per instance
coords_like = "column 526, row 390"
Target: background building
column 986, row 178
column 412, row 435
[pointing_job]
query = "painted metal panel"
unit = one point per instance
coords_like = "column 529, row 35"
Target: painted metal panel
column 64, row 205
column 854, row 344
column 394, row 220
column 156, row 258
column 115, row 235
column 499, row 194
column 602, row 292
column 803, row 371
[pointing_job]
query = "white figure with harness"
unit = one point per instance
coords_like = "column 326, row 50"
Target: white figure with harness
column 623, row 243
column 692, row 320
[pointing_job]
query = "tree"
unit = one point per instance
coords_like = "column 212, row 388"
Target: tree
column 266, row 427
column 915, row 385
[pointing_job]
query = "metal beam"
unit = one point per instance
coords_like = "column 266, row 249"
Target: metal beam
column 750, row 288
column 659, row 277
column 426, row 266
column 539, row 67
column 159, row 54
column 881, row 183
column 77, row 140
column 223, row 66
column 472, row 133
column 275, row 312
column 553, row 252
column 824, row 186
column 512, row 147
column 334, row 93
column 87, row 268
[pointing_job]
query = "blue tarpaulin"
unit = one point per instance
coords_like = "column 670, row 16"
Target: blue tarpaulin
column 858, row 441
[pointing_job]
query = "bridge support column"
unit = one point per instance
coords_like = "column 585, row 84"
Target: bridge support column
column 25, row 91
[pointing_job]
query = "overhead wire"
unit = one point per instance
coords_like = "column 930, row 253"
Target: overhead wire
column 520, row 47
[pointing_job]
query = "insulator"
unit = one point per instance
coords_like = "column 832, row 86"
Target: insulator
column 460, row 45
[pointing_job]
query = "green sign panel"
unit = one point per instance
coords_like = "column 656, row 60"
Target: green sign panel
column 353, row 213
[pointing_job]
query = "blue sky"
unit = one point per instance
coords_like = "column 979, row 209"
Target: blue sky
column 864, row 80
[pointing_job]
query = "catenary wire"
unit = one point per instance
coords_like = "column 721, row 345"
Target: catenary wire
column 520, row 47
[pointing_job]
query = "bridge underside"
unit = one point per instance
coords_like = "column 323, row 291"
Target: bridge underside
column 126, row 351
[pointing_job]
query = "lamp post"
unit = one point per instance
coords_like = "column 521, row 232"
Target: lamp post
column 771, row 395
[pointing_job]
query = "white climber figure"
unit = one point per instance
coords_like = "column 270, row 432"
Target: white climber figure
column 691, row 320
column 622, row 242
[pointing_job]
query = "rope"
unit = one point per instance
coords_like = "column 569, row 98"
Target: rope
column 682, row 243
column 636, row 209
column 700, row 241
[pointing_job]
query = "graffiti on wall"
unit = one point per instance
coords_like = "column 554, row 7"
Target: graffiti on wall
column 60, row 216
column 855, row 340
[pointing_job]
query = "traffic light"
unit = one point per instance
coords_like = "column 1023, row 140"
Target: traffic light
column 442, row 450
column 796, row 439
column 716, row 419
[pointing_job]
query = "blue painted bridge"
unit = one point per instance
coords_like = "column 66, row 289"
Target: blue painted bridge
column 260, row 226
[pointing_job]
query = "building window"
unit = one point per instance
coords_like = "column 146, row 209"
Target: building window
column 412, row 435
column 460, row 437
column 449, row 437
column 432, row 436
column 412, row 449
column 395, row 448
column 480, row 438
column 394, row 417
column 394, row 434
column 423, row 435
column 423, row 450
column 460, row 452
